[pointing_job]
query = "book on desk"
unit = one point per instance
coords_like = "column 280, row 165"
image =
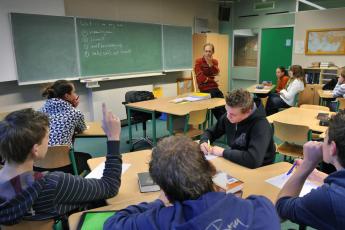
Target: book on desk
column 146, row 184
column 192, row 97
column 228, row 183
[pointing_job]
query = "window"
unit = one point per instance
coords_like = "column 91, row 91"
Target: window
column 245, row 48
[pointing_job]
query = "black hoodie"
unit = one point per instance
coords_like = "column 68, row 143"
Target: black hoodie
column 250, row 141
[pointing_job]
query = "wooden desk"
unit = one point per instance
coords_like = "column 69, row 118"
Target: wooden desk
column 325, row 94
column 254, row 181
column 265, row 90
column 300, row 116
column 172, row 109
column 94, row 129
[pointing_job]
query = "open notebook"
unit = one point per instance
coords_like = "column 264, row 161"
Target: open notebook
column 97, row 173
column 280, row 180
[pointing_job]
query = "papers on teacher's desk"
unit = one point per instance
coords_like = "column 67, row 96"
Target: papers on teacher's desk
column 97, row 173
column 280, row 180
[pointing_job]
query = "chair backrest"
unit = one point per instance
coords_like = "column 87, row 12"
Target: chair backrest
column 315, row 107
column 297, row 134
column 195, row 83
column 30, row 225
column 341, row 103
column 57, row 156
column 197, row 117
column 184, row 85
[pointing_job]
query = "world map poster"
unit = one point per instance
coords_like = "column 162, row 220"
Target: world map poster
column 325, row 41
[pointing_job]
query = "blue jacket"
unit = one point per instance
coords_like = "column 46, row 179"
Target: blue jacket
column 214, row 210
column 322, row 208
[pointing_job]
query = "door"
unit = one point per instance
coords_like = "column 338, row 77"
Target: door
column 276, row 50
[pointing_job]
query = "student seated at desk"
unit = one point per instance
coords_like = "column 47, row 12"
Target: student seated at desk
column 282, row 78
column 248, row 133
column 286, row 97
column 189, row 199
column 64, row 119
column 339, row 90
column 322, row 208
column 30, row 195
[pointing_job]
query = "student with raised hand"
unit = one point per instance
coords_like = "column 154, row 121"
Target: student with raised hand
column 339, row 90
column 322, row 208
column 64, row 118
column 29, row 195
column 189, row 199
column 249, row 135
column 286, row 97
column 282, row 78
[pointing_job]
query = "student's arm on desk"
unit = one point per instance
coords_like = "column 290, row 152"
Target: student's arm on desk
column 339, row 90
column 134, row 215
column 307, row 210
column 259, row 140
column 76, row 189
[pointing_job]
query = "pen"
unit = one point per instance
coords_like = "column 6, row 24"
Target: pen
column 291, row 169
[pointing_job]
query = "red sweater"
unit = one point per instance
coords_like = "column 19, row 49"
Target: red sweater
column 205, row 74
column 281, row 83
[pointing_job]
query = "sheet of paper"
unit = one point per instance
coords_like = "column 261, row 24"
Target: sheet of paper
column 210, row 157
column 280, row 180
column 299, row 47
column 97, row 173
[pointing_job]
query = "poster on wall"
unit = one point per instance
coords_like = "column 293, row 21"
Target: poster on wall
column 325, row 42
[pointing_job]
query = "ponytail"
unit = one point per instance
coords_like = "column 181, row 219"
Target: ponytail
column 57, row 89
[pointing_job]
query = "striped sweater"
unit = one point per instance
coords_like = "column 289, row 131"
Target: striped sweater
column 39, row 196
column 339, row 90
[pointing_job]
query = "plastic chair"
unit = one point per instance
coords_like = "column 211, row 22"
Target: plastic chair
column 58, row 156
column 293, row 138
column 340, row 103
column 184, row 85
column 195, row 124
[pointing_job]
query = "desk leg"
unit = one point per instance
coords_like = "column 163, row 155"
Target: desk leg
column 129, row 127
column 171, row 131
column 154, row 137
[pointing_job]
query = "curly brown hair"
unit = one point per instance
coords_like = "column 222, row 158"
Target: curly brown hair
column 240, row 98
column 181, row 170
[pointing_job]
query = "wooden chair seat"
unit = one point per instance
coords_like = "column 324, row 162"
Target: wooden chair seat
column 58, row 156
column 192, row 132
column 293, row 138
column 291, row 150
column 31, row 225
column 341, row 103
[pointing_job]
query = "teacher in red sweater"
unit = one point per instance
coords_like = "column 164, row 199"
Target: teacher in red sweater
column 206, row 69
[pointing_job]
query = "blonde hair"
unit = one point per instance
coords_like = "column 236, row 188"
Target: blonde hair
column 209, row 44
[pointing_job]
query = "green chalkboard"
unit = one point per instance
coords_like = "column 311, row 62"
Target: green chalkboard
column 177, row 43
column 276, row 50
column 116, row 47
column 45, row 47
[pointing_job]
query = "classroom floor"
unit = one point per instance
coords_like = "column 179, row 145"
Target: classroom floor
column 97, row 147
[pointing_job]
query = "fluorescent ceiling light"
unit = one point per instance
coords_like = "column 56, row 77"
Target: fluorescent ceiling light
column 312, row 4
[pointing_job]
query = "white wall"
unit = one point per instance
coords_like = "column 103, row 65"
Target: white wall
column 317, row 19
column 7, row 63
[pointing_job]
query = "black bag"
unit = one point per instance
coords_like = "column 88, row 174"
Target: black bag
column 137, row 96
column 330, row 85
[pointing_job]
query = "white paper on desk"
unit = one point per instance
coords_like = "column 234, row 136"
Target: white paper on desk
column 97, row 173
column 280, row 180
column 210, row 157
